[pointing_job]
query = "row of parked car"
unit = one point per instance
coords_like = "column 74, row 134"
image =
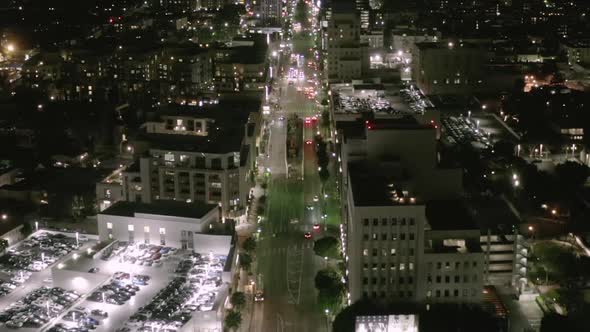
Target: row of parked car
column 117, row 291
column 38, row 307
column 195, row 289
column 80, row 320
column 37, row 252
column 146, row 254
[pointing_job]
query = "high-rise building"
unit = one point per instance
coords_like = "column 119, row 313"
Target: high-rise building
column 347, row 58
column 270, row 12
column 408, row 237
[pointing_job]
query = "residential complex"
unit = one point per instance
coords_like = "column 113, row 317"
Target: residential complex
column 193, row 154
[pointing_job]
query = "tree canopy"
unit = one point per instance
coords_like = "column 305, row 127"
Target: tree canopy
column 328, row 246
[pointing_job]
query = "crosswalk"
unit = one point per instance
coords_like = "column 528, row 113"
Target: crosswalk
column 283, row 249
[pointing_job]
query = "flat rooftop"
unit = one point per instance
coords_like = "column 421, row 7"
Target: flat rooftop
column 449, row 215
column 447, row 45
column 371, row 189
column 195, row 210
column 218, row 141
column 359, row 127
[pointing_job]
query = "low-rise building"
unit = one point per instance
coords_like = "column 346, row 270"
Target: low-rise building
column 166, row 223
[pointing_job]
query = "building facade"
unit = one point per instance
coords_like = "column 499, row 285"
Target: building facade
column 449, row 68
column 347, row 58
column 166, row 223
column 191, row 154
column 399, row 244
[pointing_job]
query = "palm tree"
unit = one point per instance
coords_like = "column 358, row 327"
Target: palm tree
column 238, row 299
column 233, row 320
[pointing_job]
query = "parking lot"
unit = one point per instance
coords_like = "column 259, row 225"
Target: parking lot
column 379, row 99
column 151, row 288
column 26, row 273
column 465, row 130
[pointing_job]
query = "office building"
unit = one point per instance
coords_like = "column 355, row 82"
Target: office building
column 347, row 58
column 449, row 67
column 408, row 237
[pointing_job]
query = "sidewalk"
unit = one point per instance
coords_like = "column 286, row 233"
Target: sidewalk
column 524, row 315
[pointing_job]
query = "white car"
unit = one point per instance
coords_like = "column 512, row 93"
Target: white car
column 206, row 307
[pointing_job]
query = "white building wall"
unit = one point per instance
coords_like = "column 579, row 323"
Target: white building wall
column 153, row 229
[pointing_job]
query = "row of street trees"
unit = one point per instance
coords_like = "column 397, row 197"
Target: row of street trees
column 233, row 318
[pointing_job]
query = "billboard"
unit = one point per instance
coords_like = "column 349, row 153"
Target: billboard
column 390, row 323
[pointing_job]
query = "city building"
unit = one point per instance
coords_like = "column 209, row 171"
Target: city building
column 241, row 66
column 270, row 12
column 408, row 237
column 193, row 154
column 165, row 223
column 577, row 51
column 347, row 58
column 449, row 67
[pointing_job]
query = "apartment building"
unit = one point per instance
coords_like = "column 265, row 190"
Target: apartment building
column 190, row 154
column 449, row 67
column 241, row 66
column 408, row 237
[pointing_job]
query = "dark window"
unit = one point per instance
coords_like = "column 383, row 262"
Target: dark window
column 384, row 222
column 403, row 223
column 412, row 221
column 375, row 222
column 393, row 221
column 438, row 279
column 383, row 237
column 365, row 222
column 411, row 236
column 216, row 163
column 447, row 279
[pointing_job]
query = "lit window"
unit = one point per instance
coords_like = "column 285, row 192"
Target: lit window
column 146, row 229
column 109, row 225
column 162, row 230
column 130, row 228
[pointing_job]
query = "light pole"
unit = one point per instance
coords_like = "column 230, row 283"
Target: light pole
column 327, row 312
column 77, row 240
